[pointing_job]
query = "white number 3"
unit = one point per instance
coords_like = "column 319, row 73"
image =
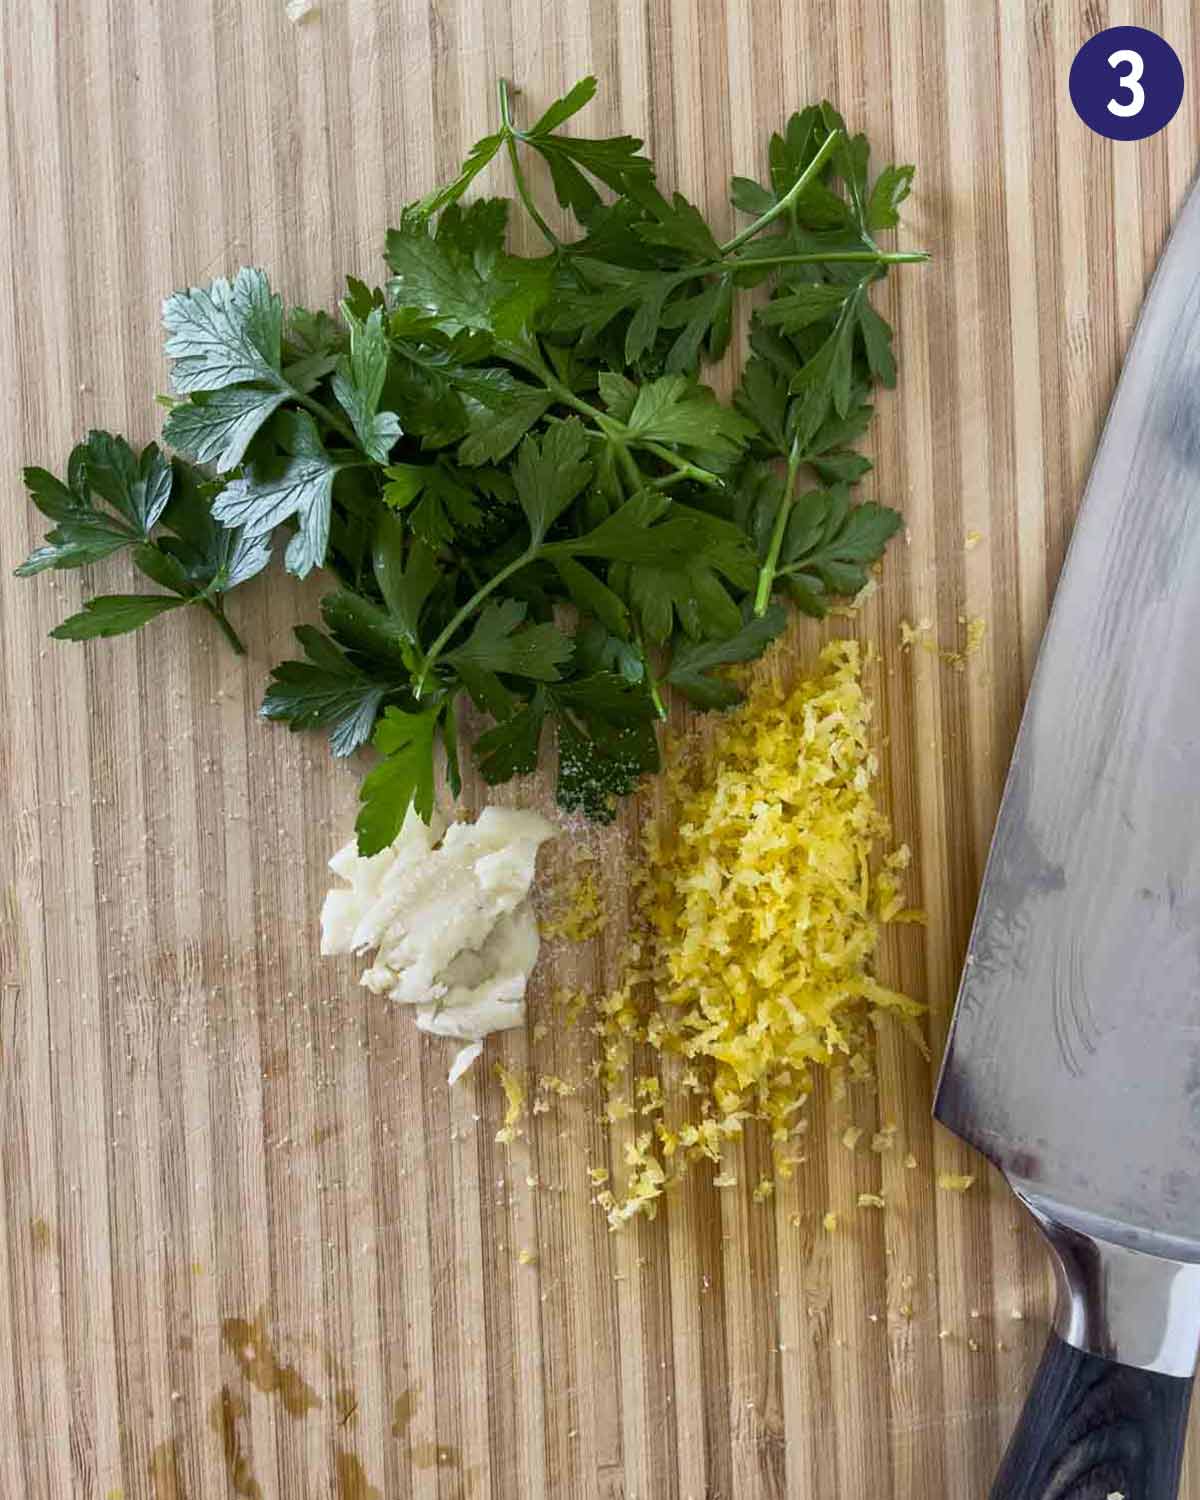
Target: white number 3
column 1129, row 82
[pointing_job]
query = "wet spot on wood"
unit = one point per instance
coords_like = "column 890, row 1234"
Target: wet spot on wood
column 402, row 1411
column 224, row 1417
column 264, row 1370
column 164, row 1473
column 434, row 1456
column 352, row 1481
column 39, row 1233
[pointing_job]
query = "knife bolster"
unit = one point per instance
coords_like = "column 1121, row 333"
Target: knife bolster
column 1124, row 1305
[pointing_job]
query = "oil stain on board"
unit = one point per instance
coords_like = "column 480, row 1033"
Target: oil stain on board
column 248, row 1343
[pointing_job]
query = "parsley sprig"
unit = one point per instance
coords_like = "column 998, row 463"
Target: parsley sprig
column 522, row 494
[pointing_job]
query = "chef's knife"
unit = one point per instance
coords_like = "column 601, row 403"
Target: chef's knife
column 1074, row 1058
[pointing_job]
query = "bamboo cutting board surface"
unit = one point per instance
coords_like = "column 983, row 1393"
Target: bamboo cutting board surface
column 250, row 1244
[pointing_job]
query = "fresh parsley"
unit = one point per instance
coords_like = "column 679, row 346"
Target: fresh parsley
column 509, row 469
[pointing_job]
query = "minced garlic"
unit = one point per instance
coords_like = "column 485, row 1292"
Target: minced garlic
column 758, row 908
column 448, row 912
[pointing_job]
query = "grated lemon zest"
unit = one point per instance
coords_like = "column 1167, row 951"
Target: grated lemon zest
column 514, row 1112
column 759, row 901
column 955, row 1182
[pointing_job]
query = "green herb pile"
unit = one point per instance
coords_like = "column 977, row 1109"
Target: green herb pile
column 507, row 466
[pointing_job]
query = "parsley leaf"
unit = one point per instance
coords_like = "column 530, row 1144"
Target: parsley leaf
column 675, row 409
column 225, row 334
column 439, row 281
column 294, row 481
column 616, row 162
column 217, row 427
column 114, row 614
column 498, row 645
column 325, row 691
column 692, row 663
column 403, row 779
column 834, row 542
column 358, row 386
column 406, row 583
column 135, row 488
column 550, row 474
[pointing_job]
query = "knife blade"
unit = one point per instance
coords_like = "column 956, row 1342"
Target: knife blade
column 1074, row 1055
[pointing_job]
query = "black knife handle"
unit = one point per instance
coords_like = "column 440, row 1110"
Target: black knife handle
column 1092, row 1429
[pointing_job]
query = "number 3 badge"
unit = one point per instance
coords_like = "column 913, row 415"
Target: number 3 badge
column 1126, row 83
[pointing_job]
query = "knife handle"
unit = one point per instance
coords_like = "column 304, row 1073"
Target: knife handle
column 1092, row 1429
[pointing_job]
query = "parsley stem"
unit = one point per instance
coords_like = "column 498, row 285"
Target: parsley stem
column 823, row 257
column 684, row 469
column 824, row 152
column 218, row 613
column 632, row 473
column 651, row 680
column 766, row 576
column 468, row 609
column 511, row 136
column 331, row 419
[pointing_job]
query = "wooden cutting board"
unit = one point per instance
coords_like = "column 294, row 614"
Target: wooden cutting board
column 250, row 1244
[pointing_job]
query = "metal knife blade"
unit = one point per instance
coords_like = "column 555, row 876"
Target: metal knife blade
column 1074, row 1057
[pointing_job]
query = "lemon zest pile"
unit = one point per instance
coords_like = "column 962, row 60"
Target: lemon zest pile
column 759, row 903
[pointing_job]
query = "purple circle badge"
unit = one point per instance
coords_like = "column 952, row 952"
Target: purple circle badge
column 1126, row 83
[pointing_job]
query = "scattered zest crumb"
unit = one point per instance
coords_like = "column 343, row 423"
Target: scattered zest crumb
column 577, row 911
column 870, row 1200
column 972, row 540
column 955, row 1182
column 830, row 1222
column 851, row 1137
column 910, row 1162
column 764, row 1190
column 514, row 1113
column 885, row 1139
column 527, row 1258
